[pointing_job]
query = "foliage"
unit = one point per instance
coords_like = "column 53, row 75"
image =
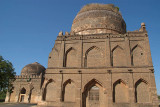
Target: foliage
column 158, row 97
column 7, row 75
column 117, row 8
column 2, row 95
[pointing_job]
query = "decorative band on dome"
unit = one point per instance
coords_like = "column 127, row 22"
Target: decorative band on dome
column 98, row 18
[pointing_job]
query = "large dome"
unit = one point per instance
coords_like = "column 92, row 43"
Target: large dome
column 33, row 69
column 98, row 18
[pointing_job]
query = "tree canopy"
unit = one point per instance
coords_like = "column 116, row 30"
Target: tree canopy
column 6, row 73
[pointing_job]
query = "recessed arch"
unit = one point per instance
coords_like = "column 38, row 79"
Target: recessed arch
column 137, row 56
column 118, row 57
column 141, row 80
column 142, row 94
column 91, row 83
column 92, row 47
column 94, row 57
column 93, row 94
column 117, row 46
column 70, row 58
column 119, row 81
column 136, row 47
column 49, row 93
column 69, row 91
column 120, row 91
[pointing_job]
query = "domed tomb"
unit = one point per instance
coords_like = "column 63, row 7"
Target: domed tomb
column 98, row 19
column 33, row 69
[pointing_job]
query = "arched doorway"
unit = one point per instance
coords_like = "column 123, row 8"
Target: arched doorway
column 22, row 95
column 93, row 95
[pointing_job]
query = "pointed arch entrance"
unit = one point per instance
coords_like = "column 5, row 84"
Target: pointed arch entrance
column 22, row 95
column 93, row 95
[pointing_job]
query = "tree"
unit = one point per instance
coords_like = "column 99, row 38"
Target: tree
column 7, row 74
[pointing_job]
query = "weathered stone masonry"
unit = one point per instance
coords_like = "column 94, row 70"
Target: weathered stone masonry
column 99, row 64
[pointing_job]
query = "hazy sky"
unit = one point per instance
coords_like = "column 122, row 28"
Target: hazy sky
column 28, row 28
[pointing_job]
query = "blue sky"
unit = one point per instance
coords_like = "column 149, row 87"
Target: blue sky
column 28, row 28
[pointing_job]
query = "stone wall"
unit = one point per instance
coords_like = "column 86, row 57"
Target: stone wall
column 119, row 65
column 31, row 85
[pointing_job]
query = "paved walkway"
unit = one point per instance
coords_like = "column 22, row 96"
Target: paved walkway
column 16, row 105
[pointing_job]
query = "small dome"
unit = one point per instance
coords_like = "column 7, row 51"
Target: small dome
column 98, row 18
column 33, row 69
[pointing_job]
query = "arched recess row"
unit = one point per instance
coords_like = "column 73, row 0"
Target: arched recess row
column 94, row 57
column 69, row 91
column 70, row 58
column 49, row 92
column 142, row 94
column 118, row 56
column 137, row 56
column 93, row 94
column 120, row 92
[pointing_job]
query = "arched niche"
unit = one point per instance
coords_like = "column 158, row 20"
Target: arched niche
column 49, row 93
column 93, row 95
column 118, row 56
column 71, row 58
column 69, row 91
column 137, row 56
column 142, row 93
column 94, row 57
column 120, row 92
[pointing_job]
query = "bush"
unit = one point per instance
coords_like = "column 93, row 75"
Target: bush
column 2, row 96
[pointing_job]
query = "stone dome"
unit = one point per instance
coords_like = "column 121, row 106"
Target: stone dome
column 98, row 19
column 33, row 69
